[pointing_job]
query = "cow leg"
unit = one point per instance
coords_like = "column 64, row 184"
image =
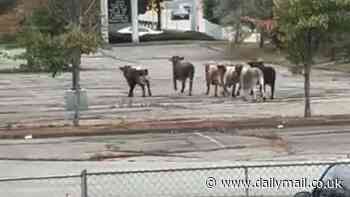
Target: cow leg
column 131, row 90
column 191, row 85
column 183, row 85
column 272, row 90
column 245, row 94
column 234, row 90
column 238, row 90
column 262, row 91
column 143, row 90
column 216, row 90
column 149, row 88
column 175, row 84
column 225, row 90
column 208, row 88
column 254, row 94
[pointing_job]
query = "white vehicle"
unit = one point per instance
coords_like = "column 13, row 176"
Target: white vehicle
column 142, row 31
column 334, row 182
column 181, row 13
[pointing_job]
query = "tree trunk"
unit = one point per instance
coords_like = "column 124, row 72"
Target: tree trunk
column 307, row 70
column 159, row 15
column 76, row 69
column 76, row 60
column 74, row 77
column 238, row 32
column 262, row 40
column 333, row 53
column 76, row 85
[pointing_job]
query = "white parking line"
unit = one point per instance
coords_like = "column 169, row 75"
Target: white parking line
column 211, row 139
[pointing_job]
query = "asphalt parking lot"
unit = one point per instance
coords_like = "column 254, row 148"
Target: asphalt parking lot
column 39, row 99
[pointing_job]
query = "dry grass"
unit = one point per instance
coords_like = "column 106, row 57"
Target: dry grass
column 244, row 52
column 269, row 135
column 251, row 51
column 342, row 67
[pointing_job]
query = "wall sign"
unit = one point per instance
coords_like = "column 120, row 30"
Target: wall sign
column 119, row 11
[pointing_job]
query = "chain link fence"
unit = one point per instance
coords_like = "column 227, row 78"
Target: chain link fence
column 245, row 180
column 60, row 186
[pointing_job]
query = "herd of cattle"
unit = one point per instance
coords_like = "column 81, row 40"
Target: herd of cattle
column 248, row 77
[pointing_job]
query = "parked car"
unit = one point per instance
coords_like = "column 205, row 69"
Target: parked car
column 180, row 14
column 332, row 173
column 142, row 31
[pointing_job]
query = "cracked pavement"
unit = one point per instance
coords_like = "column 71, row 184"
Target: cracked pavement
column 27, row 99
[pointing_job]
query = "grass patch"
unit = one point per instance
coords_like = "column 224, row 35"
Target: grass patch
column 342, row 67
column 8, row 41
column 30, row 71
column 251, row 51
column 21, row 71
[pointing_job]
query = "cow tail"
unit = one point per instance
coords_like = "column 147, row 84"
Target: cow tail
column 262, row 83
column 192, row 73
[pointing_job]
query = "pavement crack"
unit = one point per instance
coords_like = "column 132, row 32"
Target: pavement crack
column 166, row 153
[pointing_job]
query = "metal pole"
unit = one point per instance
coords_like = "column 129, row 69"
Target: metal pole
column 76, row 64
column 134, row 21
column 194, row 16
column 104, row 20
column 76, row 73
column 246, row 180
column 84, row 189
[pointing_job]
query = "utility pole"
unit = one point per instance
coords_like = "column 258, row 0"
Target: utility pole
column 104, row 20
column 194, row 15
column 76, row 63
column 135, row 21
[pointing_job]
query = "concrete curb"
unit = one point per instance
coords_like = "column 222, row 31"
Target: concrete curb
column 172, row 126
column 163, row 43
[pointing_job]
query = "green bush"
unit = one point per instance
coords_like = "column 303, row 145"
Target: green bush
column 8, row 41
column 44, row 49
column 49, row 43
column 209, row 7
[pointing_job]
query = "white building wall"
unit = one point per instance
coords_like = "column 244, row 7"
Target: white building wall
column 202, row 25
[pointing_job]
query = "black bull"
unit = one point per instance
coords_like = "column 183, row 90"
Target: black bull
column 136, row 76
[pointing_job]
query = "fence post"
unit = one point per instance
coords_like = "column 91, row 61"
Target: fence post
column 84, row 192
column 246, row 181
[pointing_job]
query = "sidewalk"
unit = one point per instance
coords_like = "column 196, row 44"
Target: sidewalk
column 175, row 125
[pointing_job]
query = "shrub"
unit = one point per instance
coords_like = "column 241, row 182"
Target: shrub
column 49, row 43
